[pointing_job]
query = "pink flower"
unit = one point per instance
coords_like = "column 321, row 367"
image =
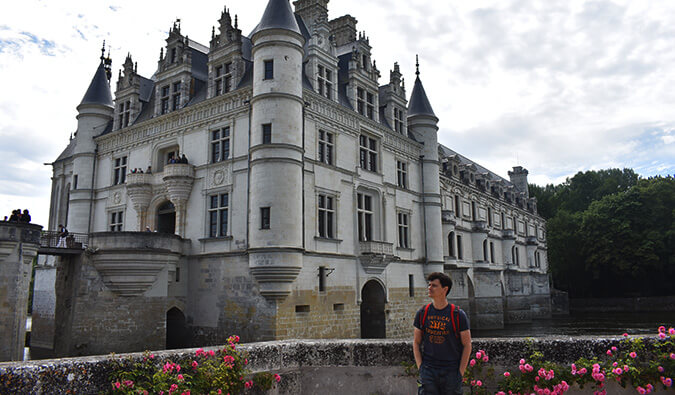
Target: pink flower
column 641, row 390
column 277, row 377
column 662, row 329
column 472, row 362
column 479, row 383
column 128, row 383
column 117, row 384
column 615, row 364
column 633, row 354
column 660, row 368
column 195, row 364
column 212, row 353
column 583, row 371
column 485, row 358
column 672, row 355
column 662, row 336
column 220, row 391
column 668, row 382
column 507, row 374
column 522, row 362
column 248, row 384
column 180, row 377
column 501, row 393
column 479, row 355
column 614, row 348
column 625, row 335
column 609, row 352
column 671, row 331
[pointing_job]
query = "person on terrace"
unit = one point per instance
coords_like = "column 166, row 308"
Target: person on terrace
column 442, row 329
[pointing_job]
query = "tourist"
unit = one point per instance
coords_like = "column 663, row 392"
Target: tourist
column 147, row 229
column 443, row 331
column 25, row 217
column 63, row 233
column 149, row 170
column 15, row 216
column 5, row 219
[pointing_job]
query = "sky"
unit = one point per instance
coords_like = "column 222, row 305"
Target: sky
column 556, row 86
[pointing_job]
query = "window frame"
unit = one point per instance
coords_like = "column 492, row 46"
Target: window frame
column 369, row 152
column 265, row 218
column 365, row 216
column 266, row 133
column 326, row 147
column 120, row 165
column 268, row 69
column 176, row 89
column 222, row 79
column 326, row 216
column 116, row 220
column 164, row 94
column 403, row 228
column 220, row 145
column 221, row 211
column 402, row 174
column 324, row 81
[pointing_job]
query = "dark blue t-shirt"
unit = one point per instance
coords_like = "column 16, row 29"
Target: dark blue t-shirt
column 440, row 347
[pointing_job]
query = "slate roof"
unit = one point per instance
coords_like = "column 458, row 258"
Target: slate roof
column 419, row 103
column 99, row 89
column 447, row 152
column 278, row 15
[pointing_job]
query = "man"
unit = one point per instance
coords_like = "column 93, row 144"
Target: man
column 443, row 331
column 63, row 233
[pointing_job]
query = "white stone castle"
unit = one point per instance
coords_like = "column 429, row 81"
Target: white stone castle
column 287, row 194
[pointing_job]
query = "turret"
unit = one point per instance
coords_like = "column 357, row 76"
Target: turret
column 424, row 124
column 95, row 113
column 276, row 153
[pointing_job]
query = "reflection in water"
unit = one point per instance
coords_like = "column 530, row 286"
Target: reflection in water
column 586, row 324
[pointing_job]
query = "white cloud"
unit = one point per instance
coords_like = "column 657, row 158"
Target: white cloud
column 554, row 85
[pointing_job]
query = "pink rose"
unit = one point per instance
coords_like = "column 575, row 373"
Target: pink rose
column 662, row 329
column 472, row 362
column 277, row 377
column 671, row 331
column 507, row 374
column 485, row 358
column 633, row 354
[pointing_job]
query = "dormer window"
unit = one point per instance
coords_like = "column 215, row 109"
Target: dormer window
column 223, row 78
column 124, row 110
column 365, row 103
column 370, row 105
column 325, row 82
column 176, row 96
column 165, row 99
column 173, row 55
column 398, row 120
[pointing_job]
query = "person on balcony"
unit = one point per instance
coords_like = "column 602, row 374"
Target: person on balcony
column 63, row 233
column 442, row 329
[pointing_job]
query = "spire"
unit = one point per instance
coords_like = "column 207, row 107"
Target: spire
column 278, row 15
column 99, row 88
column 419, row 103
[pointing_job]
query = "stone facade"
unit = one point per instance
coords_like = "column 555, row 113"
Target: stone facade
column 313, row 202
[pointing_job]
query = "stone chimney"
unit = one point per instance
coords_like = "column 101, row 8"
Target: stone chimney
column 519, row 178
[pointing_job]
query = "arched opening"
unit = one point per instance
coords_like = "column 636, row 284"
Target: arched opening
column 166, row 218
column 373, row 324
column 177, row 335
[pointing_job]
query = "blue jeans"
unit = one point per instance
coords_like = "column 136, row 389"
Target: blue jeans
column 439, row 381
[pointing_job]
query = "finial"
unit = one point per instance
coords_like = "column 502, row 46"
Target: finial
column 213, row 32
column 236, row 21
column 103, row 52
column 136, row 67
column 417, row 65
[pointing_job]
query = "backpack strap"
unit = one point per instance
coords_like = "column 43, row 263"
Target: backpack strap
column 454, row 309
column 424, row 317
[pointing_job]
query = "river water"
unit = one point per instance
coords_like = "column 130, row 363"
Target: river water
column 586, row 324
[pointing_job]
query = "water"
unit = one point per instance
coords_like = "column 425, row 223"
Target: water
column 586, row 324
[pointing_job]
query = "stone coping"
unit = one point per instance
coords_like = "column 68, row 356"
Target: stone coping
column 90, row 374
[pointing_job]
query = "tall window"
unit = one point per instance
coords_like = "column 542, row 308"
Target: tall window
column 325, row 82
column 269, row 69
column 457, row 213
column 460, row 248
column 451, row 244
column 473, row 211
column 176, row 96
column 267, row 133
column 120, row 170
column 265, row 217
column 116, row 221
column 489, row 214
column 220, row 144
column 402, row 174
column 515, row 257
column 398, row 120
column 164, row 96
column 370, row 105
column 364, row 210
column 218, row 210
column 361, row 101
column 125, row 108
column 403, row 230
column 326, row 143
column 368, row 153
column 485, row 251
column 537, row 259
column 173, row 55
column 492, row 252
column 223, row 78
column 326, row 216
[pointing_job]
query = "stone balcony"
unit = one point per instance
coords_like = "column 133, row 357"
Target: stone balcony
column 479, row 226
column 376, row 247
column 448, row 217
column 375, row 255
column 531, row 240
column 508, row 234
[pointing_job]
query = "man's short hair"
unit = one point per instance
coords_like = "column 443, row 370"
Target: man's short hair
column 443, row 278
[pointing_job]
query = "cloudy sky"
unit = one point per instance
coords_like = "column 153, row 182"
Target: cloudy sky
column 556, row 86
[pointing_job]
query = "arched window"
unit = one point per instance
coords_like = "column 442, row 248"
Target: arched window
column 451, row 244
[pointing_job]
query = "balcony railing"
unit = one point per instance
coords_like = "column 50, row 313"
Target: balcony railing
column 53, row 239
column 376, row 247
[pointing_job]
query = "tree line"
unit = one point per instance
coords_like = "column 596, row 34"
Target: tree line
column 610, row 233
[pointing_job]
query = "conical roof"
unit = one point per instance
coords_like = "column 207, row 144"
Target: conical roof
column 419, row 103
column 99, row 89
column 278, row 15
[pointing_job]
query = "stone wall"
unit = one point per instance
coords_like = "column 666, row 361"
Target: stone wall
column 307, row 366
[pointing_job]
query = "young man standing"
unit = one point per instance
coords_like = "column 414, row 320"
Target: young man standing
column 443, row 331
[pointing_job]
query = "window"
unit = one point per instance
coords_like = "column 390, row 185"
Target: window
column 120, row 170
column 503, row 223
column 398, row 120
column 411, row 285
column 164, row 96
column 473, row 211
column 370, row 105
column 220, row 144
column 322, row 279
column 326, row 140
column 457, row 213
column 223, row 79
column 176, row 96
column 326, row 216
column 361, row 101
column 269, row 69
column 264, row 217
column 515, row 255
column 368, row 153
column 177, row 274
column 125, row 108
column 116, row 221
column 485, row 251
column 267, row 133
column 364, row 210
column 489, row 216
column 75, row 181
column 218, row 210
column 325, row 82
column 492, row 252
column 402, row 174
column 173, row 55
column 460, row 248
column 403, row 230
column 537, row 259
column 451, row 244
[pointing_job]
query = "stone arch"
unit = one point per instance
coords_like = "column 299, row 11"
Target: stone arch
column 177, row 333
column 159, row 152
column 165, row 218
column 156, row 201
column 373, row 318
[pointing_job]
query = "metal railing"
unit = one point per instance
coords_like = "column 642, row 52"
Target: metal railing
column 53, row 239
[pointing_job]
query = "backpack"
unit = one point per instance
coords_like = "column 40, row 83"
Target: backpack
column 454, row 310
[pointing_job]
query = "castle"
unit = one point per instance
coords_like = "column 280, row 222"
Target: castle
column 287, row 194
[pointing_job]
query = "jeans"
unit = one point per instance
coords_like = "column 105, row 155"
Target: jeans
column 439, row 381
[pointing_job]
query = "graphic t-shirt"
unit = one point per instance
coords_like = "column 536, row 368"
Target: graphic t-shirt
column 441, row 348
